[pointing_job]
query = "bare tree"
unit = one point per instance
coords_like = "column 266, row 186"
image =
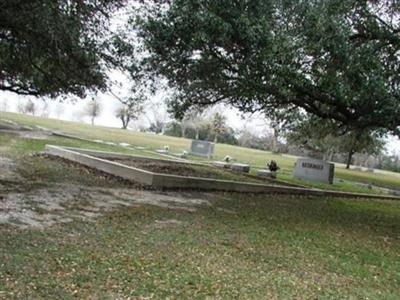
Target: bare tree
column 128, row 111
column 45, row 112
column 4, row 105
column 193, row 119
column 157, row 116
column 30, row 108
column 131, row 106
column 59, row 110
column 93, row 109
column 20, row 107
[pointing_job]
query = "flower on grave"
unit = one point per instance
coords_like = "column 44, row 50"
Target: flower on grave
column 273, row 166
column 166, row 148
column 227, row 158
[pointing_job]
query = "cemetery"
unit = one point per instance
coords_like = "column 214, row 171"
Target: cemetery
column 200, row 149
column 162, row 173
column 72, row 196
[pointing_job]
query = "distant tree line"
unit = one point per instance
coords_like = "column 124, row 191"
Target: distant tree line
column 214, row 129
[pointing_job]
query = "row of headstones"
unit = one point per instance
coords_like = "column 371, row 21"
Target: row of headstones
column 306, row 169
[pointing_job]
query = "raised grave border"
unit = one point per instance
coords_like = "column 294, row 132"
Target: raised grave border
column 98, row 160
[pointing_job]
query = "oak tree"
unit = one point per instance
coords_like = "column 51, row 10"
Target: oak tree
column 335, row 59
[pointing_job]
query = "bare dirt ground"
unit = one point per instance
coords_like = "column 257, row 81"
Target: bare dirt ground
column 187, row 170
column 65, row 202
column 170, row 168
column 44, row 207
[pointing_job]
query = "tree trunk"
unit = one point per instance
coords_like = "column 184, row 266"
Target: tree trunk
column 183, row 131
column 216, row 138
column 125, row 122
column 92, row 120
column 349, row 157
column 197, row 133
column 275, row 140
column 330, row 157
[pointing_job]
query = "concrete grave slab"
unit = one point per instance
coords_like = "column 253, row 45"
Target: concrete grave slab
column 221, row 164
column 266, row 173
column 240, row 168
column 314, row 170
column 161, row 181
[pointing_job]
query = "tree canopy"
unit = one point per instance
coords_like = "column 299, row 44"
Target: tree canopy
column 53, row 47
column 336, row 59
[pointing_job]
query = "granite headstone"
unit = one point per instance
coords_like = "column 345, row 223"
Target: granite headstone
column 202, row 148
column 314, row 170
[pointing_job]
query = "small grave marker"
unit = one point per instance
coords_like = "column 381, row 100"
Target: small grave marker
column 162, row 151
column 240, row 168
column 140, row 148
column 266, row 173
column 314, row 170
column 221, row 164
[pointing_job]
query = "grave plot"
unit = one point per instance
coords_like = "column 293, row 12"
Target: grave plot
column 159, row 173
column 182, row 169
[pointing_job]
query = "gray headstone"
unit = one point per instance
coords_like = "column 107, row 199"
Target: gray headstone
column 202, row 148
column 240, row 168
column 314, row 170
column 266, row 173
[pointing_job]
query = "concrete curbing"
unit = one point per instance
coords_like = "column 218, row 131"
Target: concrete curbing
column 115, row 155
column 114, row 168
column 88, row 158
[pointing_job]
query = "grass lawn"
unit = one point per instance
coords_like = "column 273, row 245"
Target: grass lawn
column 260, row 247
column 237, row 246
column 256, row 158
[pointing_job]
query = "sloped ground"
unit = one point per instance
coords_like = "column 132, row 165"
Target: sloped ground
column 26, row 206
column 67, row 232
column 66, row 203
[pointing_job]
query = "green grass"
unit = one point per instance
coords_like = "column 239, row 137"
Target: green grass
column 241, row 246
column 255, row 248
column 256, row 158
